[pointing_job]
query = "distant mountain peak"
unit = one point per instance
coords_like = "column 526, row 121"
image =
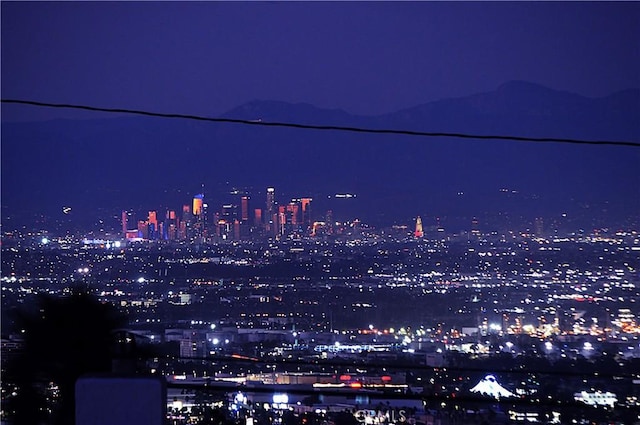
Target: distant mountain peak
column 519, row 88
column 277, row 110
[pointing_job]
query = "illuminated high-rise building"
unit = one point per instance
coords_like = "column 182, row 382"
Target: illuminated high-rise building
column 198, row 202
column 170, row 228
column 143, row 229
column 257, row 217
column 186, row 222
column 271, row 200
column 306, row 211
column 172, row 232
column 270, row 210
column 182, row 230
column 273, row 224
column 198, row 211
column 153, row 218
column 316, row 227
column 292, row 213
column 244, row 208
column 236, row 229
column 153, row 225
column 418, row 233
column 281, row 219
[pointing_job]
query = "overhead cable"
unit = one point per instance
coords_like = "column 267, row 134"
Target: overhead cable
column 326, row 127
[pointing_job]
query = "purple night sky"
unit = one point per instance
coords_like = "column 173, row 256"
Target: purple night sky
column 366, row 58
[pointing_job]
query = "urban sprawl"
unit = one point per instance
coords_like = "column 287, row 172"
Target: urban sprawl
column 281, row 314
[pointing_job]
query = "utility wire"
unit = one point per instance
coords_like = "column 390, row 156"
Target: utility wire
column 327, row 127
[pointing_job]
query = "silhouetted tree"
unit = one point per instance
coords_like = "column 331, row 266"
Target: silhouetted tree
column 345, row 418
column 64, row 338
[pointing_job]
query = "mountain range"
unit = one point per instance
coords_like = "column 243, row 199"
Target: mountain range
column 100, row 167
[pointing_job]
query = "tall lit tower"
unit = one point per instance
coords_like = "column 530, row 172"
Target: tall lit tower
column 153, row 225
column 198, row 201
column 270, row 211
column 271, row 201
column 244, row 208
column 418, row 233
column 257, row 217
column 198, row 212
column 306, row 211
column 292, row 211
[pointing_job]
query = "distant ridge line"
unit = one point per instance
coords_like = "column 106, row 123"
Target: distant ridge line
column 326, row 127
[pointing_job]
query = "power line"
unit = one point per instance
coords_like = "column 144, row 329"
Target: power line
column 327, row 127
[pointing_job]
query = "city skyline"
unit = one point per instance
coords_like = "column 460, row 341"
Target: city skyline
column 312, row 213
column 240, row 215
column 392, row 173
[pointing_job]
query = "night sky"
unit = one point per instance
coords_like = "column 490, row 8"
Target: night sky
column 365, row 58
